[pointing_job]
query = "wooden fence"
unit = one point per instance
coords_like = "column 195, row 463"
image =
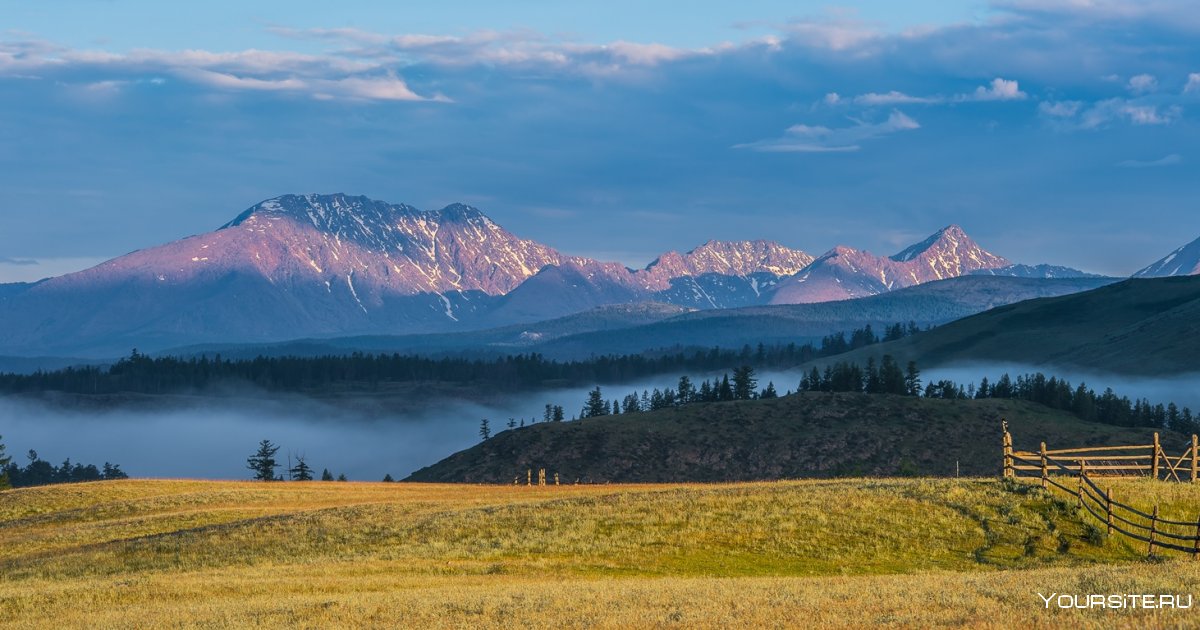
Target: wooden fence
column 1086, row 465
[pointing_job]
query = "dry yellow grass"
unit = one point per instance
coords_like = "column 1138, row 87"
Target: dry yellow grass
column 850, row 553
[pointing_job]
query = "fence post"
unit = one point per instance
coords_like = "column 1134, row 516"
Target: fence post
column 1108, row 501
column 1044, row 471
column 1195, row 460
column 1008, row 462
column 528, row 476
column 541, row 476
column 1153, row 529
column 1196, row 548
column 1079, row 492
column 1157, row 449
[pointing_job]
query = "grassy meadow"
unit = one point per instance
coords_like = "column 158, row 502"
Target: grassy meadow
column 836, row 553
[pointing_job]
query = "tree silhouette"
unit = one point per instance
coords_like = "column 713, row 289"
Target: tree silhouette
column 262, row 462
column 4, row 460
column 301, row 471
column 485, row 429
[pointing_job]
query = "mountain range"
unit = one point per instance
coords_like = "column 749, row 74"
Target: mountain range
column 300, row 266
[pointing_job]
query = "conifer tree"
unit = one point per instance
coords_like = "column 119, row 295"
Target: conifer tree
column 558, row 413
column 388, row 478
column 301, row 471
column 725, row 391
column 744, row 383
column 263, row 461
column 912, row 379
column 342, row 477
column 596, row 405
column 4, row 460
column 769, row 392
column 485, row 429
column 326, row 475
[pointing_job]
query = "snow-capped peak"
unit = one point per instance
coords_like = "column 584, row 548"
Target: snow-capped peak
column 1184, row 261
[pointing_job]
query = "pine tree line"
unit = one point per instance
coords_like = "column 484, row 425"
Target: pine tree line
column 1057, row 393
column 140, row 373
column 39, row 472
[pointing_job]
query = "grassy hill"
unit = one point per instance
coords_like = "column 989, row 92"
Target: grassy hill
column 838, row 554
column 1142, row 326
column 799, row 436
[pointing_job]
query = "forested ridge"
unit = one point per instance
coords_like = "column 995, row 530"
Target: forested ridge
column 140, row 373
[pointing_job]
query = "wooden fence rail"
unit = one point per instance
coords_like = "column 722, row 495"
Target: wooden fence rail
column 1083, row 464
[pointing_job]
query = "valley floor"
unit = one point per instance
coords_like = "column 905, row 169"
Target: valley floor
column 840, row 553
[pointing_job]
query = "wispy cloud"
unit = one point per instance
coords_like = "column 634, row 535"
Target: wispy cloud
column 18, row 262
column 999, row 89
column 1167, row 160
column 821, row 139
column 1143, row 84
column 1101, row 114
column 1193, row 83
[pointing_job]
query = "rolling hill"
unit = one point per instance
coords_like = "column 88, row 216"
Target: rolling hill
column 803, row 435
column 1140, row 326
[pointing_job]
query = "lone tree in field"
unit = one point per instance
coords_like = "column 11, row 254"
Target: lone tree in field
column 4, row 460
column 263, row 461
column 485, row 429
column 301, row 471
column 388, row 478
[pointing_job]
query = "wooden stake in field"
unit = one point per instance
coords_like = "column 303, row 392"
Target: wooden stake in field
column 1153, row 526
column 1108, row 501
column 528, row 476
column 1045, row 472
column 541, row 476
column 1195, row 452
column 1196, row 549
column 1157, row 453
column 1008, row 462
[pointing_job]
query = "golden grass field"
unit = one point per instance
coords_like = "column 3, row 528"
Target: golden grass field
column 845, row 553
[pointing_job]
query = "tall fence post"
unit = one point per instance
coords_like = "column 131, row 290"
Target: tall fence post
column 1045, row 472
column 1108, row 502
column 1195, row 459
column 1153, row 530
column 1196, row 548
column 1157, row 451
column 1079, row 491
column 1008, row 461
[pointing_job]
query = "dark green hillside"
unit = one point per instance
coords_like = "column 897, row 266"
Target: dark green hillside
column 1142, row 326
column 802, row 435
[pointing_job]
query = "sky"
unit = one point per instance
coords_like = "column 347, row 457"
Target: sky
column 1053, row 131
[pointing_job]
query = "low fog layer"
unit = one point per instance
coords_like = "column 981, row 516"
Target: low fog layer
column 213, row 440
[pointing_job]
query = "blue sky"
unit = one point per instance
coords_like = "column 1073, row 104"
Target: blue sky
column 1058, row 131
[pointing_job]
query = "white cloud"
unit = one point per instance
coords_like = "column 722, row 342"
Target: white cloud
column 1143, row 84
column 998, row 90
column 1193, row 83
column 835, row 34
column 832, row 98
column 820, row 139
column 1167, row 160
column 1136, row 112
column 1060, row 109
column 894, row 98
